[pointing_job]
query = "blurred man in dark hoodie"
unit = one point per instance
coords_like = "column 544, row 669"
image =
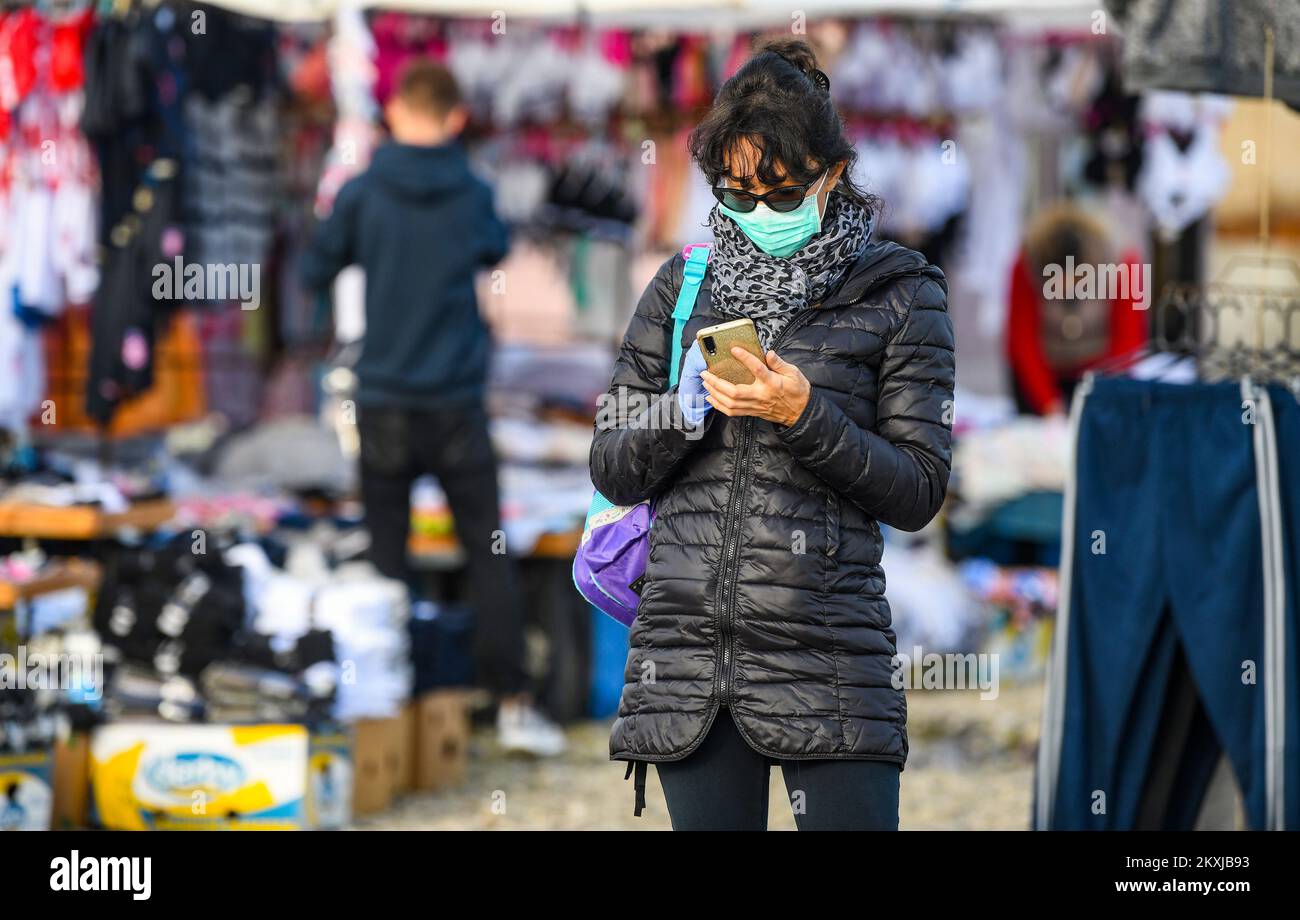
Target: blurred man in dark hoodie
column 422, row 225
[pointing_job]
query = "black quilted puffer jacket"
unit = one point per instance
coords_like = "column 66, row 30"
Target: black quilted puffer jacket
column 764, row 591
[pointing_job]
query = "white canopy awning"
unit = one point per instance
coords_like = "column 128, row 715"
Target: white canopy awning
column 681, row 13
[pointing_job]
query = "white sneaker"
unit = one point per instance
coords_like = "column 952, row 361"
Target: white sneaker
column 521, row 729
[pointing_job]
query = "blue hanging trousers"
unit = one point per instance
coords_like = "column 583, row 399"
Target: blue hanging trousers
column 1180, row 561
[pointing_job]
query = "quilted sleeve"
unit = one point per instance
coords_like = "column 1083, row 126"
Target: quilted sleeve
column 897, row 473
column 640, row 436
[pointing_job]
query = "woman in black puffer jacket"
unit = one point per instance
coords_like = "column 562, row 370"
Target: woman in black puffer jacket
column 763, row 634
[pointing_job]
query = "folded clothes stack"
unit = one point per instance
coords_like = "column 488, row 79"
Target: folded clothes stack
column 176, row 631
column 24, row 724
column 135, row 691
column 170, row 608
column 228, row 691
column 365, row 614
column 245, row 693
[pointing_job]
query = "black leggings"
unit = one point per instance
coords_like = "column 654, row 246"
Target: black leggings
column 722, row 786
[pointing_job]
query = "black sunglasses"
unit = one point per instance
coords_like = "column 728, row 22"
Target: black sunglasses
column 783, row 199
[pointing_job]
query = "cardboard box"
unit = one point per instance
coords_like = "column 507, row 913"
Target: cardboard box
column 26, row 793
column 405, row 741
column 330, row 778
column 442, row 739
column 152, row 775
column 72, row 782
column 373, row 765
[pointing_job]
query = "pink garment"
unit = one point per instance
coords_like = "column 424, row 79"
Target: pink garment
column 616, row 46
column 534, row 304
column 398, row 38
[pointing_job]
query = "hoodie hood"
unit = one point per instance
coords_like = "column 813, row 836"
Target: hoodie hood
column 883, row 261
column 421, row 172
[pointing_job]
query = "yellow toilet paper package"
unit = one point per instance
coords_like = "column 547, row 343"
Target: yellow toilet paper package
column 156, row 776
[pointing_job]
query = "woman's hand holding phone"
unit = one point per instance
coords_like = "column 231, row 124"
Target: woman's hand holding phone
column 779, row 392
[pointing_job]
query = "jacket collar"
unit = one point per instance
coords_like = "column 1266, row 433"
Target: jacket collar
column 880, row 262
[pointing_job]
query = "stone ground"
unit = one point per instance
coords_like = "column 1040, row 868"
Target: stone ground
column 971, row 768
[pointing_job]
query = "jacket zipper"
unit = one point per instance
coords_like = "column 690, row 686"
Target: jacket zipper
column 731, row 542
column 730, row 546
column 730, row 574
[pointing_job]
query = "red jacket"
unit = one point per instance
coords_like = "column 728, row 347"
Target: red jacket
column 1037, row 378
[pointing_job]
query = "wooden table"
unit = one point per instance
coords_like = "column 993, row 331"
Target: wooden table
column 59, row 574
column 80, row 522
column 445, row 551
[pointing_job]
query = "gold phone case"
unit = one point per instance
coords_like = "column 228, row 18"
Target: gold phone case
column 723, row 337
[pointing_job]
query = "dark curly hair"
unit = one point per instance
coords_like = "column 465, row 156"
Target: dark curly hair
column 777, row 101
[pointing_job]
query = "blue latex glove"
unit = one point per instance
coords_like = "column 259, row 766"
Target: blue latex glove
column 690, row 389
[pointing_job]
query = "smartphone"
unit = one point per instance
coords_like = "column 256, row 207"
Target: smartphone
column 716, row 343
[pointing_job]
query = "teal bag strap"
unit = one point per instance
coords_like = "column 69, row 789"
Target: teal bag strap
column 697, row 260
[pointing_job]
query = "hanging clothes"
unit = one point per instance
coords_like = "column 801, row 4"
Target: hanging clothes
column 1183, row 172
column 233, row 181
column 231, row 175
column 1052, row 341
column 125, row 313
column 1182, row 541
column 400, row 38
column 136, row 83
column 1214, row 46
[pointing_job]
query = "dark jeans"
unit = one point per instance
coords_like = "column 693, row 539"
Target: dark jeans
column 397, row 446
column 722, row 786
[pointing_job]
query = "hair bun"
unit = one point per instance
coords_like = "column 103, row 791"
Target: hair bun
column 800, row 55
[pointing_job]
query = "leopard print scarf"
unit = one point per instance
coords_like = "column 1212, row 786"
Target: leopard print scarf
column 748, row 282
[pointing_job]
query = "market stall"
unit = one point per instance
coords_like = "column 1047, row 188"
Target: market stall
column 182, row 458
